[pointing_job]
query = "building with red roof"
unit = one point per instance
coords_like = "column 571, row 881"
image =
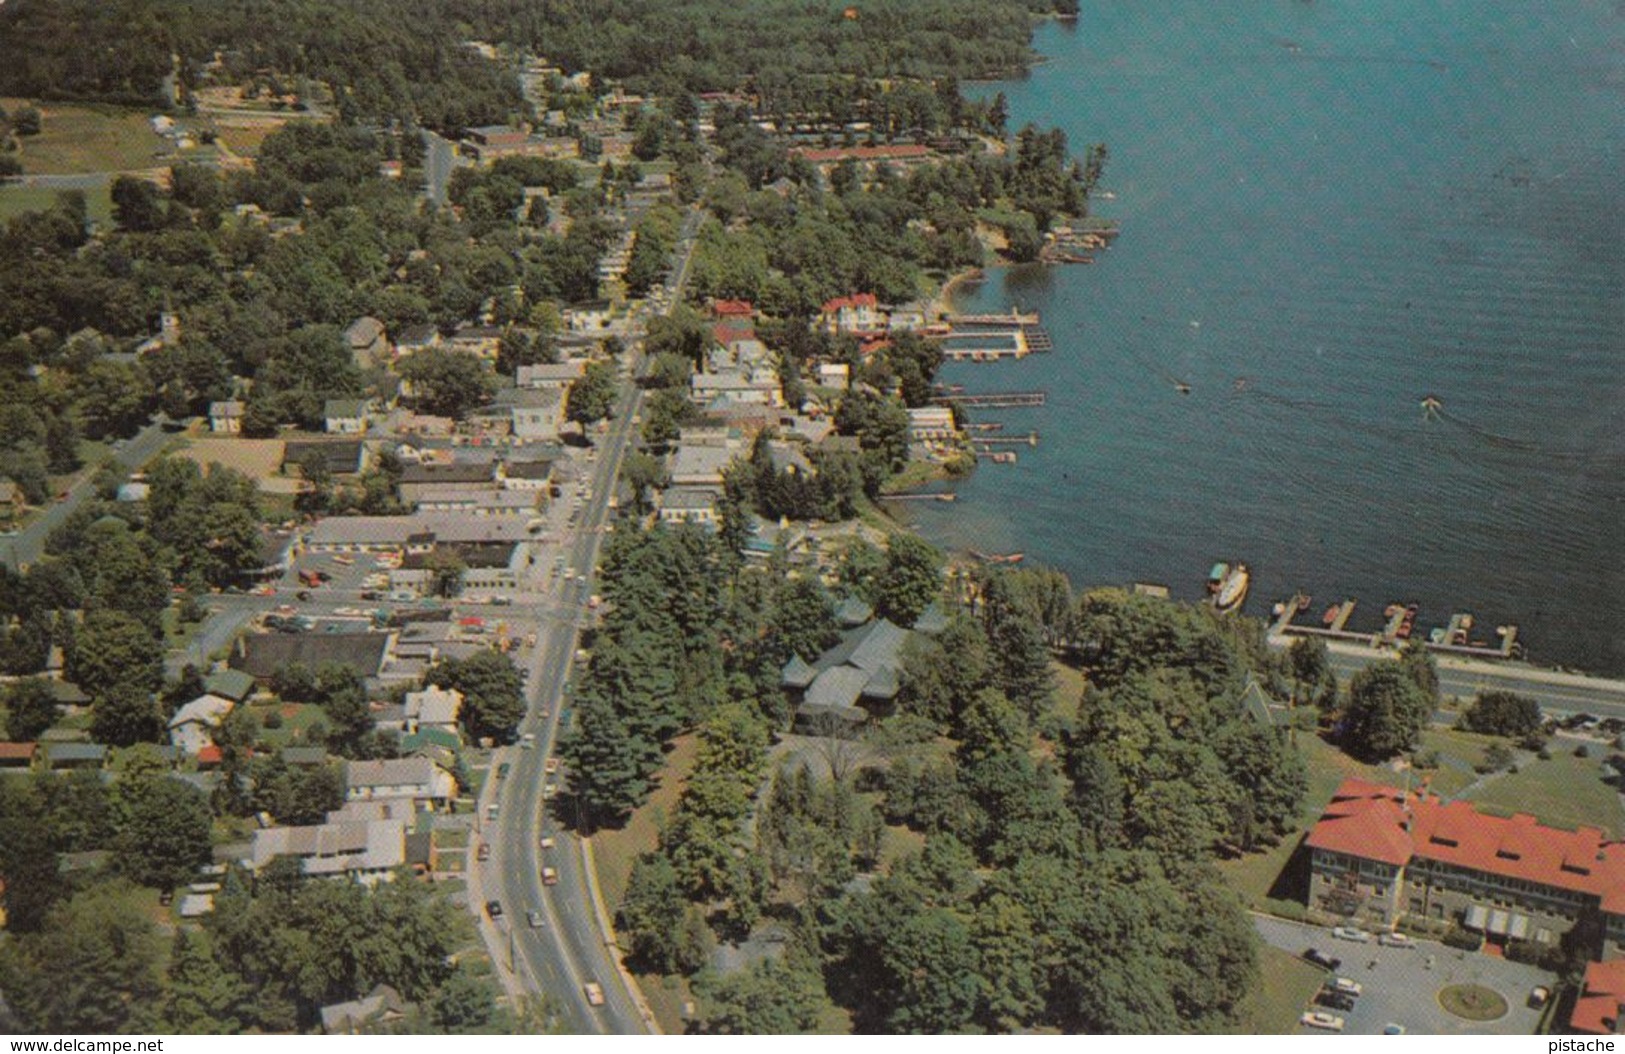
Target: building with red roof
column 1600, row 1008
column 733, row 309
column 17, row 755
column 858, row 313
column 1380, row 854
column 896, row 154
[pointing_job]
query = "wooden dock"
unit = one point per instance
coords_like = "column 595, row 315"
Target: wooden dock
column 1030, row 439
column 992, row 400
column 1450, row 640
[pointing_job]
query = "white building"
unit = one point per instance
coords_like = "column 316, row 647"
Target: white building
column 192, row 727
column 417, row 780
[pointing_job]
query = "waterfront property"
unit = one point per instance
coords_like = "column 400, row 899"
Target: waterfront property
column 1381, row 857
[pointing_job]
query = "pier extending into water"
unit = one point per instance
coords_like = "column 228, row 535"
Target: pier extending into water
column 1397, row 629
column 989, row 400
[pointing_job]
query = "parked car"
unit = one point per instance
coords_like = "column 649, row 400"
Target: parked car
column 1351, row 933
column 1391, row 1029
column 1320, row 958
column 549, row 789
column 547, row 841
column 1396, row 940
column 484, row 851
column 1539, row 995
column 493, row 908
column 1347, row 985
column 1335, row 1000
column 595, row 994
column 1321, row 1019
column 551, row 766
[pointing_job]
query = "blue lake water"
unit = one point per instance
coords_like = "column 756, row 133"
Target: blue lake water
column 1329, row 211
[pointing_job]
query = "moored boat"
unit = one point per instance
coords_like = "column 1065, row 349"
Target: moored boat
column 1232, row 590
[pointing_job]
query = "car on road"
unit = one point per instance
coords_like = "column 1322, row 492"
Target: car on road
column 493, row 908
column 1347, row 985
column 484, row 851
column 371, row 594
column 547, row 841
column 1321, row 959
column 491, row 811
column 534, row 918
column 303, row 594
column 1351, row 933
column 550, row 877
column 594, row 993
column 1321, row 1019
column 527, row 741
column 503, row 770
column 1395, row 940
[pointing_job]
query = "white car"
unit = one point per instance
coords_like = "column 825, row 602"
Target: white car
column 1351, row 933
column 527, row 741
column 1395, row 940
column 1347, row 986
column 1321, row 1019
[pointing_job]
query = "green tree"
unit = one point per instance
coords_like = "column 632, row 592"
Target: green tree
column 773, row 997
column 911, row 580
column 1386, row 711
column 607, row 776
column 1499, row 713
column 94, row 967
column 933, row 962
column 654, row 917
column 463, row 1004
column 202, row 997
column 137, row 205
column 165, row 833
column 448, row 383
column 493, row 693
column 31, row 708
column 592, row 397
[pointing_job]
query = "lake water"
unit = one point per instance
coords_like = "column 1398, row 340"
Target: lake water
column 1329, row 211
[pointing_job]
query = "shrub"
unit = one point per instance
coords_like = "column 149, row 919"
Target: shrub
column 273, row 719
column 1466, row 940
column 1582, row 751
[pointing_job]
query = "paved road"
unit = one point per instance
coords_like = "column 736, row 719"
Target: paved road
column 28, row 544
column 438, row 163
column 1558, row 693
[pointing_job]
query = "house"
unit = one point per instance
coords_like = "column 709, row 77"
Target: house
column 192, row 727
column 457, row 473
column 341, row 457
column 480, row 341
column 17, row 755
column 930, row 424
column 700, row 466
column 588, row 318
column 433, row 708
column 1380, row 856
column 419, row 780
column 755, row 386
column 345, row 416
column 858, row 313
column 261, row 655
column 489, row 565
column 365, row 851
column 75, row 755
column 556, row 376
column 487, row 501
column 1599, row 1010
column 689, row 505
column 866, row 666
column 416, row 338
column 229, row 684
column 226, row 417
column 382, row 1006
column 837, row 375
column 368, row 343
column 534, row 414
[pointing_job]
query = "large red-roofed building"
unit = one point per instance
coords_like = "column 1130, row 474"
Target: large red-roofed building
column 1600, row 1008
column 1379, row 855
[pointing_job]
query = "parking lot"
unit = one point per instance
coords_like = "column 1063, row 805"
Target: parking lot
column 1401, row 985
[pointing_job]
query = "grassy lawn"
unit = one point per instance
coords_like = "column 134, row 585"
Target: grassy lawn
column 297, row 718
column 16, row 199
column 89, row 139
column 244, row 139
column 1565, row 792
column 666, row 996
column 614, row 851
column 1286, row 986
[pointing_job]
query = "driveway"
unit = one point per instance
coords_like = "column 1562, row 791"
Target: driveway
column 1402, row 988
